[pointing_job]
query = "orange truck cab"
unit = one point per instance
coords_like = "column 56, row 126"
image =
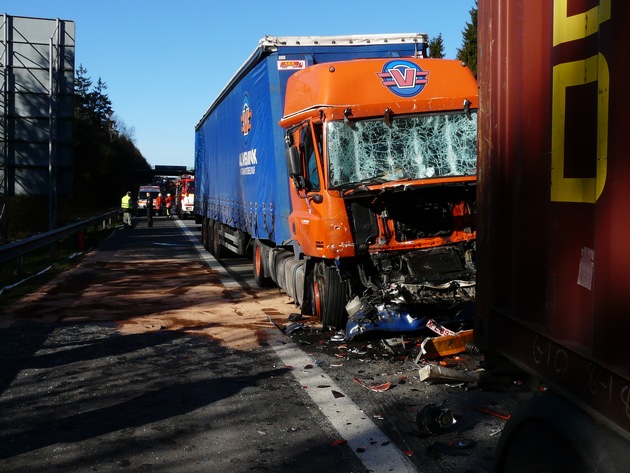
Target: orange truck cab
column 382, row 159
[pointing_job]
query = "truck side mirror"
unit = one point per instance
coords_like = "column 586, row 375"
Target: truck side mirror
column 294, row 165
column 294, row 161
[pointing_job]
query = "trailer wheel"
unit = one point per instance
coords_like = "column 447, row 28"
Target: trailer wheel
column 329, row 297
column 535, row 446
column 261, row 270
column 210, row 231
column 218, row 250
column 205, row 237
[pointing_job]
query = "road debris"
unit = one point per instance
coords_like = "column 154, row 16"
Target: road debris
column 373, row 387
column 458, row 448
column 293, row 327
column 434, row 420
column 492, row 413
column 439, row 329
column 445, row 345
column 364, row 317
column 438, row 373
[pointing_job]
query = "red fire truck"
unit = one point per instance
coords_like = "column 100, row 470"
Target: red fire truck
column 185, row 195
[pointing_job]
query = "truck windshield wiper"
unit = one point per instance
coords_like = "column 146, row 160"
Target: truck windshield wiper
column 370, row 181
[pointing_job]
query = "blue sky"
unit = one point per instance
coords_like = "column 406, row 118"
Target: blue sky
column 165, row 61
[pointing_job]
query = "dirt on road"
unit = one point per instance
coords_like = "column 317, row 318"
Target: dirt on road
column 142, row 358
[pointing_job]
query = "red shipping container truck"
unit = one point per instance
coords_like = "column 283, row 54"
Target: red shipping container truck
column 554, row 223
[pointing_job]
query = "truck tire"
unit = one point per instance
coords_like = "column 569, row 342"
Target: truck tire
column 538, row 447
column 205, row 236
column 217, row 249
column 210, row 231
column 300, row 281
column 261, row 267
column 329, row 297
column 549, row 434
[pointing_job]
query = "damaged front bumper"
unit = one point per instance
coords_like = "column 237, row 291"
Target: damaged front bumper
column 448, row 302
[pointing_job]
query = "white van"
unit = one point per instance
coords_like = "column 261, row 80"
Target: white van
column 142, row 198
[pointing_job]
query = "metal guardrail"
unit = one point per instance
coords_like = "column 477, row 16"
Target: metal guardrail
column 19, row 248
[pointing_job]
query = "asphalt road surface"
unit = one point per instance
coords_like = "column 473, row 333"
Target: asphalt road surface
column 152, row 356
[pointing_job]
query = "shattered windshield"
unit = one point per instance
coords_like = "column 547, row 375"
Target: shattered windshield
column 418, row 147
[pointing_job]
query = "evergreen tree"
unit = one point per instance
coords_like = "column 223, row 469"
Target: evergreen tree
column 102, row 106
column 468, row 52
column 106, row 161
column 82, row 86
column 436, row 47
column 82, row 83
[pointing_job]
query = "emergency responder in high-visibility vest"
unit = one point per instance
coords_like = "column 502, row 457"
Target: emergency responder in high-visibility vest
column 125, row 205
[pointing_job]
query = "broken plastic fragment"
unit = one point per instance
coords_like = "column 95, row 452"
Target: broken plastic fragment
column 462, row 443
column 441, row 447
column 336, row 443
column 492, row 413
column 389, row 318
column 276, row 324
column 292, row 328
column 442, row 374
column 338, row 337
column 373, row 387
column 446, row 345
column 439, row 329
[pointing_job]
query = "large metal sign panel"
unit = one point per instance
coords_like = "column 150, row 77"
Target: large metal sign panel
column 36, row 105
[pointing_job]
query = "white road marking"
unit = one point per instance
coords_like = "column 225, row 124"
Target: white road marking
column 370, row 444
column 375, row 450
column 210, row 260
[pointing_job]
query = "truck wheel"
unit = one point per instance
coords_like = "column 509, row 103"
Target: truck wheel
column 329, row 297
column 218, row 250
column 261, row 271
column 537, row 447
column 210, row 231
column 205, row 237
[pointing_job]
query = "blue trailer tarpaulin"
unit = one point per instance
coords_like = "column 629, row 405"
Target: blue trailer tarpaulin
column 240, row 165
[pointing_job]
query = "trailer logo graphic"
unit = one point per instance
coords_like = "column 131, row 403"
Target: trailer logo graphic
column 247, row 162
column 246, row 119
column 403, row 78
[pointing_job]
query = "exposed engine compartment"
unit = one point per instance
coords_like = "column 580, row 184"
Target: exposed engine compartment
column 416, row 251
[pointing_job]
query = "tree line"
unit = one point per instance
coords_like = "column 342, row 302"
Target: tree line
column 107, row 163
column 467, row 53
